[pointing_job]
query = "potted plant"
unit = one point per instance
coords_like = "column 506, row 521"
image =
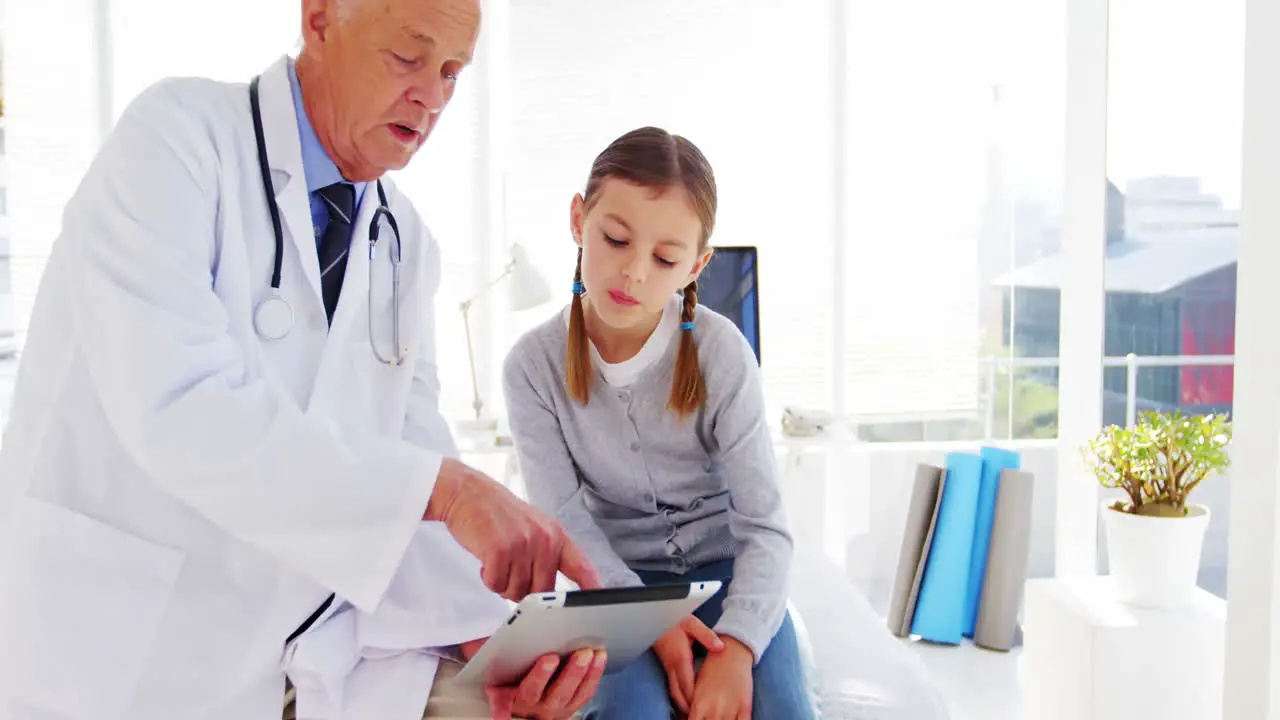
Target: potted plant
column 1154, row 536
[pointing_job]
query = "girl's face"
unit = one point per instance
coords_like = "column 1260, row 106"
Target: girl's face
column 639, row 246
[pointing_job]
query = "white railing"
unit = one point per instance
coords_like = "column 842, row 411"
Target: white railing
column 1131, row 362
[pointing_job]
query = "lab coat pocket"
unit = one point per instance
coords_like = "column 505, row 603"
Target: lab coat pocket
column 86, row 601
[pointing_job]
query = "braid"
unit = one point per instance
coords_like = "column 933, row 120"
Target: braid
column 577, row 361
column 690, row 302
column 688, row 393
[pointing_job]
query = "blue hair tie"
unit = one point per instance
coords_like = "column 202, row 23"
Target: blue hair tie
column 688, row 325
column 578, row 289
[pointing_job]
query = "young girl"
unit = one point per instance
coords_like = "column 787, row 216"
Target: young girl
column 638, row 420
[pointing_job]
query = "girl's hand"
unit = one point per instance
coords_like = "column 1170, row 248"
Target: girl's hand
column 723, row 689
column 675, row 651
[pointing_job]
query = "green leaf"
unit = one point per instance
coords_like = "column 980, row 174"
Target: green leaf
column 1162, row 450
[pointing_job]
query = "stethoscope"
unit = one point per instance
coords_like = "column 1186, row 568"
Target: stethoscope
column 273, row 318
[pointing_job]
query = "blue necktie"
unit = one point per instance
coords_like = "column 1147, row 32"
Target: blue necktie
column 340, row 200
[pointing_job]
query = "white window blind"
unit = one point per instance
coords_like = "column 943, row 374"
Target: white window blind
column 51, row 104
column 52, row 128
column 441, row 182
column 62, row 96
column 586, row 71
column 952, row 123
column 915, row 175
column 230, row 40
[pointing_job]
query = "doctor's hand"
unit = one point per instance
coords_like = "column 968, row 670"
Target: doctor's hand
column 520, row 548
column 675, row 651
column 545, row 694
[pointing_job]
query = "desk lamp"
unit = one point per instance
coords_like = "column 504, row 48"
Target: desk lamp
column 526, row 289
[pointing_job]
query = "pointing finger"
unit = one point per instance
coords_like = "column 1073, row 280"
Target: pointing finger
column 575, row 566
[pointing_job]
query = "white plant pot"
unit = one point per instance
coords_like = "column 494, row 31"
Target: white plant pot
column 1155, row 560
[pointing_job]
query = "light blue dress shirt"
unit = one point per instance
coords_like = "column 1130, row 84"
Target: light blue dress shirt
column 318, row 167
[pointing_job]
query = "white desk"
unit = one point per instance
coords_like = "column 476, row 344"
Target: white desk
column 1088, row 657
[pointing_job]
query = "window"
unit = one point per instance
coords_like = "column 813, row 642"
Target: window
column 953, row 178
column 1174, row 122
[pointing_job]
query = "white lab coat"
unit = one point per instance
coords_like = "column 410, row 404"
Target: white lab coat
column 358, row 665
column 184, row 493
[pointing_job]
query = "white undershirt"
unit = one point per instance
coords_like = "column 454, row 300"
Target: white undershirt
column 621, row 374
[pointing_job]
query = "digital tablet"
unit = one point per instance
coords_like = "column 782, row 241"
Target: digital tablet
column 625, row 622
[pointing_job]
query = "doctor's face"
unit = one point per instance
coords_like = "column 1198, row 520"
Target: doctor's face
column 381, row 72
column 639, row 246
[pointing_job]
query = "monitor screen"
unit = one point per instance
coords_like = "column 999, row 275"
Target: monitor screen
column 729, row 285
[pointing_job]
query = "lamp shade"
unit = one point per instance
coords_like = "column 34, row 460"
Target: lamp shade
column 526, row 288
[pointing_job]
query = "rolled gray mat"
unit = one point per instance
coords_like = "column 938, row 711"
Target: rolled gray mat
column 917, row 535
column 1007, row 560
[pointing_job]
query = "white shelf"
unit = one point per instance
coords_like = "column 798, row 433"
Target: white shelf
column 1087, row 656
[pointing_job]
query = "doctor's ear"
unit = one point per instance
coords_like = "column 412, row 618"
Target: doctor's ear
column 577, row 214
column 317, row 17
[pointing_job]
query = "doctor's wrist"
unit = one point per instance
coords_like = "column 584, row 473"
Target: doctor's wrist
column 444, row 494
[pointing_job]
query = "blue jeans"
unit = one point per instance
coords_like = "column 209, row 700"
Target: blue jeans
column 639, row 691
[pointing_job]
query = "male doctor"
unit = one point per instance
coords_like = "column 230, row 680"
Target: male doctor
column 203, row 466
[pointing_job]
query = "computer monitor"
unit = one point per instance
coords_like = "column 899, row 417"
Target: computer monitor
column 730, row 286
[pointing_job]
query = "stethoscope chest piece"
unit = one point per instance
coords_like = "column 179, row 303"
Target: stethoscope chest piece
column 273, row 319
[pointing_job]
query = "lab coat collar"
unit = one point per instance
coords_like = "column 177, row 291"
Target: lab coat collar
column 288, row 177
column 284, row 151
column 320, row 169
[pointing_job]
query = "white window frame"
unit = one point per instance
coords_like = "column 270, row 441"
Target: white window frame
column 1083, row 294
column 1252, row 672
column 839, row 218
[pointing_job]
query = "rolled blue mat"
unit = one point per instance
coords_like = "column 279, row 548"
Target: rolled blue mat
column 940, row 607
